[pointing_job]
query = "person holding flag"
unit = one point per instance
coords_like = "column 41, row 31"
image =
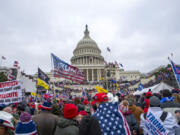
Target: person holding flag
column 43, row 79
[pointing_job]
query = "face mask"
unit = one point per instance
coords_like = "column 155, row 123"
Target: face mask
column 123, row 108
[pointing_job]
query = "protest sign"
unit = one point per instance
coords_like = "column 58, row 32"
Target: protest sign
column 10, row 92
column 154, row 125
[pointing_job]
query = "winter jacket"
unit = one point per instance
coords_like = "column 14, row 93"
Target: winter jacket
column 136, row 111
column 89, row 126
column 153, row 115
column 45, row 123
column 170, row 106
column 131, row 120
column 66, row 127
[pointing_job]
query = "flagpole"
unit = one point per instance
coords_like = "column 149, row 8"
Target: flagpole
column 174, row 73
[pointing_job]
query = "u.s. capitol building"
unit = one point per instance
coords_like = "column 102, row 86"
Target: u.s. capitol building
column 88, row 58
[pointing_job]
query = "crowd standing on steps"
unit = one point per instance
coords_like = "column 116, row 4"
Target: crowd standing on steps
column 99, row 114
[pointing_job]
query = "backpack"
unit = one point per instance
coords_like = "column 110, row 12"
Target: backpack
column 162, row 117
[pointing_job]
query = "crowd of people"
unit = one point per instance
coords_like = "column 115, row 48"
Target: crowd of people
column 100, row 114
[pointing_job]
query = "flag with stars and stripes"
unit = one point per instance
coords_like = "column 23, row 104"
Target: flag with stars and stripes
column 64, row 70
column 111, row 120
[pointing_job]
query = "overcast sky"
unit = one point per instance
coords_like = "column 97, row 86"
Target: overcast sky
column 140, row 33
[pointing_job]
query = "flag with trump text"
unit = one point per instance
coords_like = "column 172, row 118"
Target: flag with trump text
column 43, row 79
column 64, row 70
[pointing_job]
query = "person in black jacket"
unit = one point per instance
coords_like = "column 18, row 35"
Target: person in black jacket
column 89, row 126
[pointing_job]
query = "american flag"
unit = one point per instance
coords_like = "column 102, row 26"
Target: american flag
column 64, row 70
column 15, row 64
column 176, row 71
column 111, row 120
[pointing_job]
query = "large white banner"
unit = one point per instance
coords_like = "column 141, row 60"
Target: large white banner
column 10, row 92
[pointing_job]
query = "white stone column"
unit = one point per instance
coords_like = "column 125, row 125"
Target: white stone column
column 98, row 75
column 87, row 75
column 92, row 74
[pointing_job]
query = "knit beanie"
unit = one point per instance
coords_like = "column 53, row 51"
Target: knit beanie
column 46, row 105
column 25, row 126
column 101, row 97
column 148, row 94
column 85, row 102
column 6, row 120
column 154, row 101
column 83, row 113
column 70, row 111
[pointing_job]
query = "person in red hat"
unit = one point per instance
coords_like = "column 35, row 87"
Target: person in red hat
column 146, row 101
column 80, row 115
column 85, row 102
column 68, row 125
column 99, row 98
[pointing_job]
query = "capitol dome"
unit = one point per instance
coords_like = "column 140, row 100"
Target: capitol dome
column 87, row 56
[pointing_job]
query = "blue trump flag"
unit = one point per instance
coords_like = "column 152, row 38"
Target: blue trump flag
column 176, row 71
column 141, row 87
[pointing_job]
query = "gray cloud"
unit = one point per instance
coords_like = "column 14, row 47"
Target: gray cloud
column 140, row 33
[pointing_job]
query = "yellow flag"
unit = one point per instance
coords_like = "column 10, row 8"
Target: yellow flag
column 42, row 83
column 33, row 94
column 101, row 90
